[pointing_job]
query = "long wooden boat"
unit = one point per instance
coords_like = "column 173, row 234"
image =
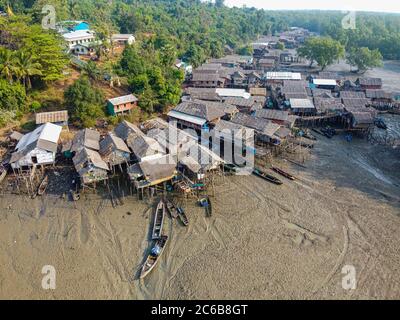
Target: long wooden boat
column 283, row 173
column 171, row 208
column 182, row 216
column 3, row 173
column 43, row 186
column 267, row 177
column 154, row 256
column 206, row 204
column 75, row 195
column 158, row 221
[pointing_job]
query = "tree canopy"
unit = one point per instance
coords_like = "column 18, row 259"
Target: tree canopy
column 364, row 58
column 323, row 50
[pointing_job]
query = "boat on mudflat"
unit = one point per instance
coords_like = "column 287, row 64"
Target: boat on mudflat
column 158, row 221
column 182, row 216
column 172, row 209
column 154, row 256
column 267, row 177
column 206, row 204
column 283, row 173
column 43, row 186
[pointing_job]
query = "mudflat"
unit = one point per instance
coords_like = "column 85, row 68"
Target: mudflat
column 263, row 241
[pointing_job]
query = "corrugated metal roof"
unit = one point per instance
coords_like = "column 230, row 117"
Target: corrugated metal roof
column 301, row 104
column 283, row 76
column 324, row 82
column 186, row 117
column 123, row 99
column 56, row 116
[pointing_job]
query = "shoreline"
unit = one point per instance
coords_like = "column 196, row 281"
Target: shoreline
column 263, row 241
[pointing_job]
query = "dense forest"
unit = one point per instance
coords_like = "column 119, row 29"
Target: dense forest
column 32, row 58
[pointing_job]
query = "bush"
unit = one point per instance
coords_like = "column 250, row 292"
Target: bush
column 35, row 106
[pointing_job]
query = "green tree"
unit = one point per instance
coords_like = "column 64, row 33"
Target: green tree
column 364, row 58
column 86, row 103
column 7, row 64
column 26, row 67
column 322, row 50
column 12, row 96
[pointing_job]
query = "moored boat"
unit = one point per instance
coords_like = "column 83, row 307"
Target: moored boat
column 206, row 204
column 267, row 177
column 173, row 211
column 182, row 216
column 154, row 256
column 43, row 186
column 158, row 221
column 3, row 173
column 283, row 173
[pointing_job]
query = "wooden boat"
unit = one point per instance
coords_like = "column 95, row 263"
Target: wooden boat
column 3, row 173
column 173, row 211
column 283, row 173
column 75, row 195
column 43, row 186
column 267, row 177
column 182, row 216
column 158, row 221
column 206, row 204
column 154, row 256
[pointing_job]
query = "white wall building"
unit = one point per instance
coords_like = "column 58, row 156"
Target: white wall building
column 78, row 37
column 37, row 148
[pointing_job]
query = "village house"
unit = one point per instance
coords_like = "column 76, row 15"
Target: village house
column 37, row 148
column 209, row 94
column 71, row 26
column 369, row 83
column 302, row 107
column 327, row 84
column 235, row 93
column 265, row 64
column 144, row 148
column 362, row 121
column 208, row 80
column 293, row 90
column 265, row 129
column 121, row 105
column 280, row 117
column 198, row 115
column 355, row 103
column 79, row 37
column 125, row 129
column 253, row 78
column 86, row 49
column 380, row 98
column 114, row 151
column 328, row 106
column 150, row 173
column 90, row 167
column 261, row 92
column 86, row 138
column 280, row 77
column 56, row 117
column 227, row 132
column 123, row 39
column 352, row 95
column 288, row 57
column 246, row 105
column 260, row 50
column 322, row 93
column 239, row 79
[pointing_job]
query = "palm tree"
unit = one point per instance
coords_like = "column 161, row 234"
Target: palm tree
column 26, row 67
column 7, row 64
column 92, row 71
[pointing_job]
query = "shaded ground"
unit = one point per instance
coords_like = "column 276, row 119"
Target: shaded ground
column 263, row 242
